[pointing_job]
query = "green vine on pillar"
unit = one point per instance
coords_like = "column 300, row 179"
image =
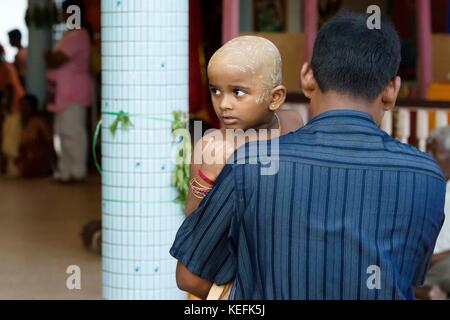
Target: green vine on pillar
column 122, row 119
column 180, row 177
column 181, row 138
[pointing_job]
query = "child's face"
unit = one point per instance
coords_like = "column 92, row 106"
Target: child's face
column 238, row 98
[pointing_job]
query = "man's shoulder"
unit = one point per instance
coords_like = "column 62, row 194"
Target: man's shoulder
column 383, row 152
column 386, row 153
column 411, row 157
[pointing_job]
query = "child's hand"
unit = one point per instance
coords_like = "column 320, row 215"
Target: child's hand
column 215, row 155
column 211, row 171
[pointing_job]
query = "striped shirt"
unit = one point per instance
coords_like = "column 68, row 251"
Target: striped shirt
column 351, row 214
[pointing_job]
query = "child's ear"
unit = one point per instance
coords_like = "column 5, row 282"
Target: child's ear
column 307, row 80
column 277, row 97
column 390, row 93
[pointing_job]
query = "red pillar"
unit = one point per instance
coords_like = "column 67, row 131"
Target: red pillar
column 424, row 45
column 230, row 19
column 311, row 18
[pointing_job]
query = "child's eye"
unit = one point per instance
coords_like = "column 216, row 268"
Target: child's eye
column 214, row 91
column 239, row 93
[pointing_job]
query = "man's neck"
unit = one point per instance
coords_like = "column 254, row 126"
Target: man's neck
column 272, row 124
column 334, row 101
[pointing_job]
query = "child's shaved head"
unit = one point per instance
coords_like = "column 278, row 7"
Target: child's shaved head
column 252, row 54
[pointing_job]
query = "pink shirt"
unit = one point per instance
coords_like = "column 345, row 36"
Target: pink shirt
column 71, row 82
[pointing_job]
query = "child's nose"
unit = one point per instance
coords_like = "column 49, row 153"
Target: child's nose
column 226, row 103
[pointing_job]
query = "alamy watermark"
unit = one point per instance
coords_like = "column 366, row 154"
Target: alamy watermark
column 73, row 281
column 222, row 147
column 374, row 280
column 74, row 20
column 374, row 20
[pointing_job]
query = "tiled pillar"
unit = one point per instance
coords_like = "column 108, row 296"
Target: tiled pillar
column 144, row 74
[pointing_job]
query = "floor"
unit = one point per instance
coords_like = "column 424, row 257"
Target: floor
column 40, row 223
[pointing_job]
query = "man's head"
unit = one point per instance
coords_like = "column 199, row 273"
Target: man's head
column 245, row 77
column 438, row 145
column 15, row 38
column 354, row 64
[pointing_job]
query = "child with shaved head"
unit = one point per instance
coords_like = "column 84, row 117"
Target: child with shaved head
column 245, row 82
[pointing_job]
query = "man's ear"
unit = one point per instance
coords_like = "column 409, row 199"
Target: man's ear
column 307, row 80
column 390, row 93
column 277, row 97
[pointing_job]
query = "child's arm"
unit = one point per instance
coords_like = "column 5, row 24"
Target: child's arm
column 189, row 282
column 203, row 174
column 192, row 202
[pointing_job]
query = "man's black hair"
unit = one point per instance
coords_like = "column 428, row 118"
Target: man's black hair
column 15, row 34
column 350, row 58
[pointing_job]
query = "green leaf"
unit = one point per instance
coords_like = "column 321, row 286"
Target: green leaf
column 122, row 119
column 180, row 177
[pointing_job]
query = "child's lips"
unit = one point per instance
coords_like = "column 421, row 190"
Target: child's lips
column 229, row 120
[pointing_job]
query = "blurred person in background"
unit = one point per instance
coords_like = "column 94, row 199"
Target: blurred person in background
column 69, row 95
column 11, row 91
column 36, row 153
column 437, row 282
column 21, row 58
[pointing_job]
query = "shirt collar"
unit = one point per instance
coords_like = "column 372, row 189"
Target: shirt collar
column 338, row 115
